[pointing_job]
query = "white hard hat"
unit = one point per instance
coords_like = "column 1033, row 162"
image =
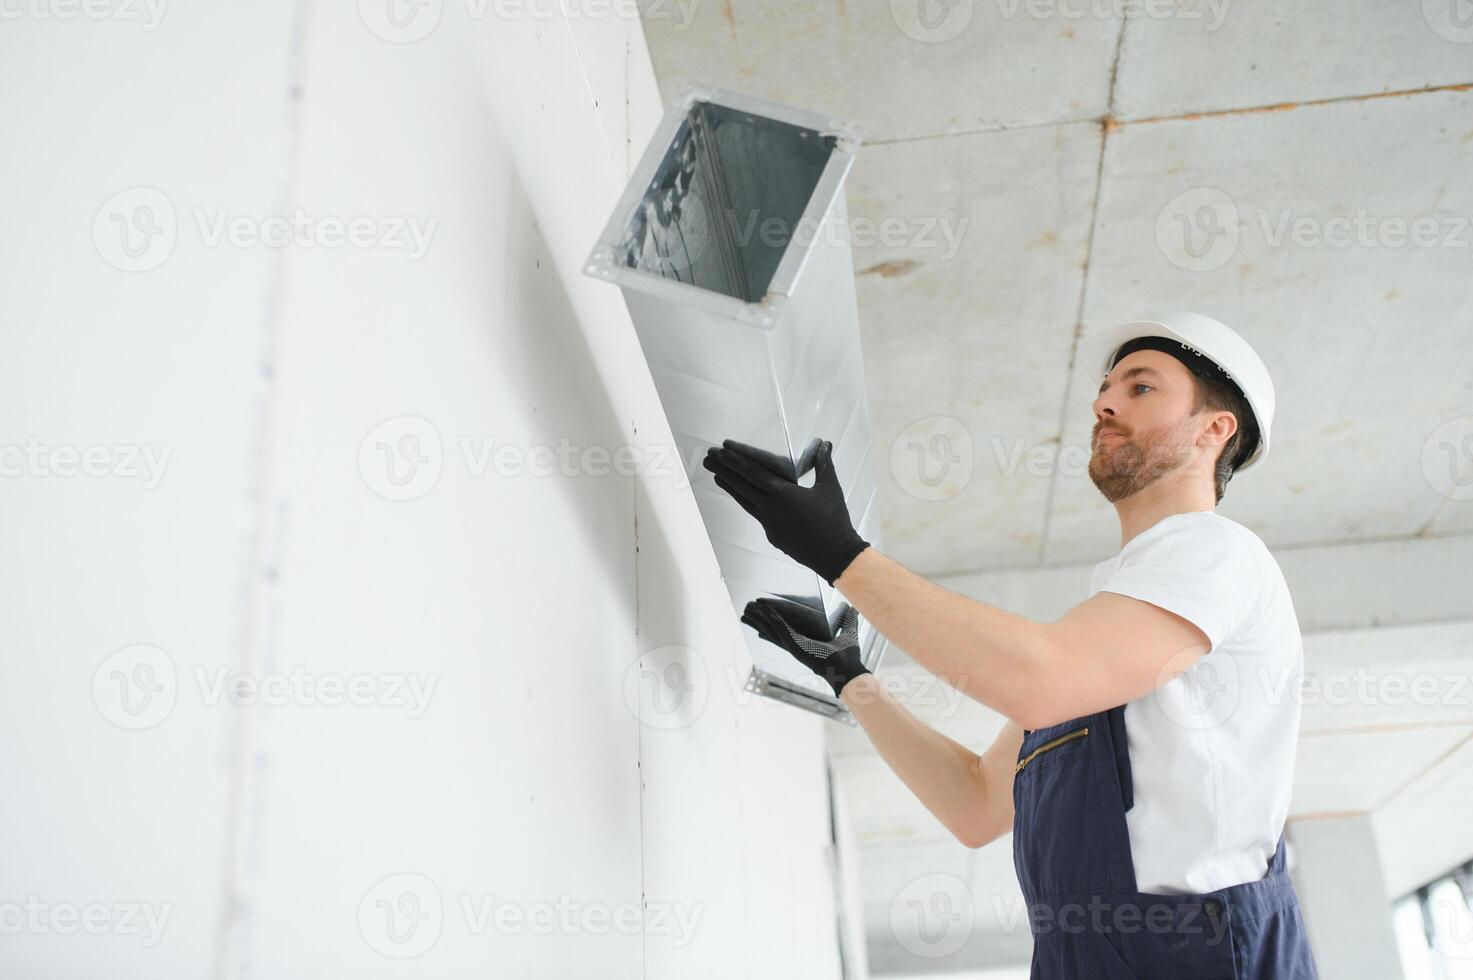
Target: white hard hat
column 1211, row 339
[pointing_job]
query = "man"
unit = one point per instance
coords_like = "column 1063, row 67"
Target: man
column 1146, row 763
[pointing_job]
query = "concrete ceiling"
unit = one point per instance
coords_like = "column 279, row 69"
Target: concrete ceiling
column 1048, row 168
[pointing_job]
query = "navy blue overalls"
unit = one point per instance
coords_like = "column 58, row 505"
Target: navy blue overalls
column 1071, row 849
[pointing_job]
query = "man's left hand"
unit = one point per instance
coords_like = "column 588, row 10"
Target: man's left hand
column 809, row 525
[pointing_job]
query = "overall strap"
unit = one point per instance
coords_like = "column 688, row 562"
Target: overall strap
column 1278, row 862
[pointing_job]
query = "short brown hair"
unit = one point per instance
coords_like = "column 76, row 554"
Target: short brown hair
column 1223, row 396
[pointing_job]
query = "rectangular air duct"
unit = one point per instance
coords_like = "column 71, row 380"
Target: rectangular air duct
column 731, row 246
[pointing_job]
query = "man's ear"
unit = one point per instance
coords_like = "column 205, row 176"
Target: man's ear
column 1225, row 422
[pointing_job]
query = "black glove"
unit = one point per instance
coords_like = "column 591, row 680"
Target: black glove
column 809, row 525
column 803, row 631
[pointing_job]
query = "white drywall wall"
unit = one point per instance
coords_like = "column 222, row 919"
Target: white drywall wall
column 121, row 345
column 333, row 511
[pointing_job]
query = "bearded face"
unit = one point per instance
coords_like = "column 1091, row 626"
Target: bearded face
column 1125, row 462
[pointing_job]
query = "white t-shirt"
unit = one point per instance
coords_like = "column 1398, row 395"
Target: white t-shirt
column 1212, row 750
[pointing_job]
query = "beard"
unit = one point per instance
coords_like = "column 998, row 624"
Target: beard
column 1122, row 467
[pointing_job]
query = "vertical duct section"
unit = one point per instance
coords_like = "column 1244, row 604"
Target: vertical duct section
column 731, row 247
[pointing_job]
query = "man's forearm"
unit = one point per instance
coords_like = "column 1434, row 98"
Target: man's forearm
column 986, row 653
column 942, row 773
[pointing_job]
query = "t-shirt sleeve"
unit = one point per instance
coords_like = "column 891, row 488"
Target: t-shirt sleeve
column 1202, row 570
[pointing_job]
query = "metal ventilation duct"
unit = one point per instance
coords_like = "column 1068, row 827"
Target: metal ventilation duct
column 731, row 246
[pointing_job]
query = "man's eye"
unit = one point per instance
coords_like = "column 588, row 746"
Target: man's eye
column 1141, row 384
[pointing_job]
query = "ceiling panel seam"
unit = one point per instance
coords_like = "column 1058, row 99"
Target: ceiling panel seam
column 1051, row 494
column 1290, row 106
